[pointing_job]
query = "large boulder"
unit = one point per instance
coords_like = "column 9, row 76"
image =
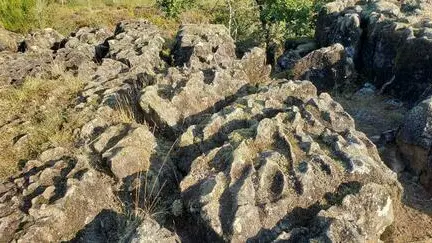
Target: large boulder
column 201, row 45
column 415, row 141
column 278, row 157
column 384, row 40
column 186, row 94
column 328, row 68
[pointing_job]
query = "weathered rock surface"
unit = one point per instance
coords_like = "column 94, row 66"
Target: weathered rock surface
column 8, row 40
column 385, row 40
column 415, row 141
column 78, row 196
column 294, row 52
column 202, row 44
column 211, row 79
column 195, row 152
column 328, row 68
column 52, row 198
column 272, row 153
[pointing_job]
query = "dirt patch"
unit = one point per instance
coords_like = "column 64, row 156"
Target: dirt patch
column 373, row 114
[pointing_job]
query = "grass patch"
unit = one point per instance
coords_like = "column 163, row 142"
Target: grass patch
column 36, row 116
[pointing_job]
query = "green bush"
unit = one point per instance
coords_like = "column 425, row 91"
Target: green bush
column 297, row 16
column 173, row 7
column 244, row 25
column 18, row 15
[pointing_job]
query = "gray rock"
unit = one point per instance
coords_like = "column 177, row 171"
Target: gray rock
column 42, row 41
column 8, row 40
column 415, row 141
column 250, row 149
column 150, row 231
column 186, row 95
column 360, row 218
column 137, row 43
column 291, row 56
column 389, row 51
column 328, row 68
column 132, row 154
column 55, row 207
column 200, row 46
column 249, row 162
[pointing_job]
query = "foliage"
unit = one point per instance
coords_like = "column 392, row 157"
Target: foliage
column 173, row 7
column 297, row 16
column 242, row 19
column 16, row 15
column 294, row 14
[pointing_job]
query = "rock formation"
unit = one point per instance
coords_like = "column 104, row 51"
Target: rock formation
column 387, row 41
column 210, row 149
column 415, row 141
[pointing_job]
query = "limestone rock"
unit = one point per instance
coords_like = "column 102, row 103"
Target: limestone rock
column 371, row 210
column 415, row 141
column 384, row 40
column 201, row 45
column 41, row 41
column 185, row 95
column 151, row 231
column 53, row 201
column 137, row 44
column 272, row 153
column 8, row 40
column 328, row 68
column 204, row 147
column 132, row 154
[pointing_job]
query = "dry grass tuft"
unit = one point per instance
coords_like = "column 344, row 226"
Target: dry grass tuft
column 146, row 203
column 124, row 112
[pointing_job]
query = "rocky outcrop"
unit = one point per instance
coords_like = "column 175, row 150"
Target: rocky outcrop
column 86, row 195
column 196, row 151
column 384, row 40
column 415, row 141
column 197, row 45
column 50, row 199
column 211, row 79
column 278, row 154
column 329, row 68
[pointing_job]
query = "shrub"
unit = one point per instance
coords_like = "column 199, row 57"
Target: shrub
column 173, row 7
column 17, row 15
column 243, row 21
column 296, row 15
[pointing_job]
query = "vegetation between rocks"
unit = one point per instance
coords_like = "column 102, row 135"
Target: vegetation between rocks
column 38, row 117
column 250, row 22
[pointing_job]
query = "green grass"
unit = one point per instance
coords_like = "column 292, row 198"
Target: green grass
column 26, row 15
column 35, row 117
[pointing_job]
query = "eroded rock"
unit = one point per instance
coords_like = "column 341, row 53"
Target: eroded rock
column 384, row 39
column 223, row 146
column 415, row 140
column 273, row 153
column 328, row 68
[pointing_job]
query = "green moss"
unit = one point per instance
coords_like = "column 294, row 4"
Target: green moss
column 239, row 135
